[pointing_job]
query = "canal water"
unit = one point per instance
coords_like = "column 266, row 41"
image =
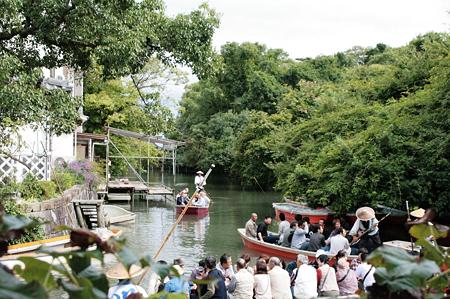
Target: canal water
column 194, row 238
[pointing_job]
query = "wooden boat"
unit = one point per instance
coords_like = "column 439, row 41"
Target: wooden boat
column 290, row 210
column 60, row 244
column 115, row 214
column 277, row 250
column 397, row 216
column 193, row 210
column 59, row 241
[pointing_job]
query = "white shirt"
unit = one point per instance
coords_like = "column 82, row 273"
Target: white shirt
column 362, row 270
column 262, row 286
column 358, row 226
column 282, row 228
column 328, row 280
column 338, row 243
column 280, row 283
column 122, row 291
column 199, row 181
column 200, row 202
column 243, row 288
column 306, row 282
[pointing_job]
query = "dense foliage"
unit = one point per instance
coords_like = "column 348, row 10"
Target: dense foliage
column 120, row 36
column 360, row 127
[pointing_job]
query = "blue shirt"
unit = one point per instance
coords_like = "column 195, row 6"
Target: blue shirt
column 177, row 285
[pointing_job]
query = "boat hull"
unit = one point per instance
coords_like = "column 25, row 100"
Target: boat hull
column 192, row 210
column 290, row 210
column 285, row 253
column 118, row 215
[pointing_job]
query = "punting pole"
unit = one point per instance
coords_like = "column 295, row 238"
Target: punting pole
column 169, row 234
column 409, row 219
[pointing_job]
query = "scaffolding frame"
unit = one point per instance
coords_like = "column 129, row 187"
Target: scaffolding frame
column 166, row 145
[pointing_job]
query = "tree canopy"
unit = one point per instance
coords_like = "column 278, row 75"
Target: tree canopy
column 120, row 36
column 364, row 126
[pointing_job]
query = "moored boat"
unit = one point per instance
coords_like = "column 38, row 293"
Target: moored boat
column 117, row 214
column 277, row 250
column 193, row 210
column 58, row 241
column 290, row 210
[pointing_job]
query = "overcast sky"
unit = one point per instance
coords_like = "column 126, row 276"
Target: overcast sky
column 314, row 27
column 310, row 28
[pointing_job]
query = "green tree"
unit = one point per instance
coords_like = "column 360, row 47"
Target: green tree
column 121, row 36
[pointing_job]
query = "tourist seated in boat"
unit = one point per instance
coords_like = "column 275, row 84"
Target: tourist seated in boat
column 263, row 233
column 216, row 282
column 339, row 242
column 328, row 286
column 262, row 288
column 199, row 181
column 299, row 240
column 316, row 240
column 306, row 224
column 283, row 227
column 365, row 272
column 304, row 279
column 365, row 229
column 287, row 237
column 205, row 198
column 331, row 231
column 124, row 287
column 225, row 266
column 155, row 284
column 182, row 198
column 251, row 227
column 346, row 278
column 247, row 260
column 177, row 283
column 279, row 279
column 242, row 285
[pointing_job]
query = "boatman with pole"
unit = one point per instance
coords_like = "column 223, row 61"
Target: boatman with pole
column 199, row 180
column 365, row 231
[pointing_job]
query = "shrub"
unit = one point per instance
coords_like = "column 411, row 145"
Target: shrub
column 33, row 189
column 32, row 233
column 64, row 180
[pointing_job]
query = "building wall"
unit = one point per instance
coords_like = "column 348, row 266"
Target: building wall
column 37, row 148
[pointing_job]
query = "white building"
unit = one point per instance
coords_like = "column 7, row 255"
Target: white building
column 38, row 149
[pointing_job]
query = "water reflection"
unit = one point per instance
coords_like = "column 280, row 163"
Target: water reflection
column 194, row 238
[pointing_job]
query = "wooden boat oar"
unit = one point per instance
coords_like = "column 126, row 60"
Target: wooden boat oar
column 172, row 229
column 369, row 230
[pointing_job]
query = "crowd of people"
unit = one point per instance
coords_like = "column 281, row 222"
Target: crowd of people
column 268, row 278
column 200, row 198
column 303, row 235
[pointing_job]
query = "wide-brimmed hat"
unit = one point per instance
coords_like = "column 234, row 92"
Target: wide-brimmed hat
column 365, row 213
column 199, row 172
column 418, row 213
column 320, row 252
column 120, row 272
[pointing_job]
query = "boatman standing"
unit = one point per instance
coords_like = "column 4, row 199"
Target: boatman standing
column 199, row 180
column 365, row 229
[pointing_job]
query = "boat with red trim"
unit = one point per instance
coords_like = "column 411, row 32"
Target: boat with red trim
column 290, row 210
column 193, row 210
column 277, row 250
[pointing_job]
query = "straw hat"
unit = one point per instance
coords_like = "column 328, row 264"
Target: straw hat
column 119, row 272
column 365, row 213
column 418, row 213
column 199, row 172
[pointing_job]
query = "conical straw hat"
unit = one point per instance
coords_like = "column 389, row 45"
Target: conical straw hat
column 365, row 213
column 418, row 213
column 119, row 272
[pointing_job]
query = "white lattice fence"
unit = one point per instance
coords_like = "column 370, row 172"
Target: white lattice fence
column 10, row 168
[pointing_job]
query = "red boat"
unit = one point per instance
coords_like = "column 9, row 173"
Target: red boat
column 193, row 210
column 290, row 210
column 277, row 250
